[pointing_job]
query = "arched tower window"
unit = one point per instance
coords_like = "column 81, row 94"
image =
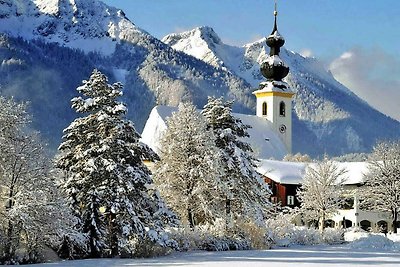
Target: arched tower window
column 264, row 109
column 282, row 109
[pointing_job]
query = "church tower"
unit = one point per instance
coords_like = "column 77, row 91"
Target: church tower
column 274, row 98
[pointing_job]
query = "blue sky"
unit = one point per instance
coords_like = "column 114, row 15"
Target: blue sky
column 326, row 29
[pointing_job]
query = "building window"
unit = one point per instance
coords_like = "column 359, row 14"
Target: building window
column 264, row 109
column 347, row 204
column 290, row 200
column 282, row 109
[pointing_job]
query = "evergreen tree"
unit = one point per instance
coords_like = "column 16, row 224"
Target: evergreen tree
column 245, row 192
column 108, row 187
column 321, row 193
column 189, row 171
column 382, row 183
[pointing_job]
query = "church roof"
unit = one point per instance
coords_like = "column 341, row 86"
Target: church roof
column 263, row 139
column 293, row 172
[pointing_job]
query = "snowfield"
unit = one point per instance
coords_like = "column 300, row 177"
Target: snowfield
column 322, row 255
column 281, row 257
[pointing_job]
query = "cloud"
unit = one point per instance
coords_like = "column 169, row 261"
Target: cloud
column 373, row 75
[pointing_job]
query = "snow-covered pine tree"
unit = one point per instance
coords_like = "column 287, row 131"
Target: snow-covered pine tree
column 190, row 168
column 108, row 186
column 26, row 187
column 245, row 192
column 382, row 183
column 321, row 193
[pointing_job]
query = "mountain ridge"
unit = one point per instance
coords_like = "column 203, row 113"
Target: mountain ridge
column 62, row 42
column 154, row 73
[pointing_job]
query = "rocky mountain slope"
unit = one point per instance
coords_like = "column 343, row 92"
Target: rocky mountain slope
column 48, row 46
column 41, row 62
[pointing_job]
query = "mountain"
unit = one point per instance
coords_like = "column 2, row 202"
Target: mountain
column 47, row 47
column 327, row 116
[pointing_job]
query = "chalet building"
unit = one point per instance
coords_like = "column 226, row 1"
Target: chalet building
column 284, row 179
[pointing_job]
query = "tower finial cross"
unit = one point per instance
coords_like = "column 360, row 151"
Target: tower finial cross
column 276, row 9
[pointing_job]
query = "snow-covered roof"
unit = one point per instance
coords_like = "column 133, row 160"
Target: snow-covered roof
column 355, row 171
column 263, row 139
column 155, row 126
column 282, row 171
column 293, row 172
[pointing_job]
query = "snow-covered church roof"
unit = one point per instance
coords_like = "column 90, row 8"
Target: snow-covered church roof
column 293, row 172
column 263, row 139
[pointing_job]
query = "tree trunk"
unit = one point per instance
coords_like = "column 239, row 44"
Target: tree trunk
column 8, row 247
column 322, row 223
column 94, row 253
column 228, row 214
column 190, row 218
column 92, row 231
column 113, row 234
column 394, row 223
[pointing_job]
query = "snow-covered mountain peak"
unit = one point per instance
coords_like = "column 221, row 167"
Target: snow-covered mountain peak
column 89, row 25
column 202, row 34
column 204, row 44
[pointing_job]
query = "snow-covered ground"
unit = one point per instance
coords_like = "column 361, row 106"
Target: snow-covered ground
column 322, row 255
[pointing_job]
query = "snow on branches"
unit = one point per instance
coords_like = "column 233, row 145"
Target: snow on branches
column 109, row 188
column 321, row 193
column 189, row 172
column 382, row 183
column 245, row 192
column 30, row 211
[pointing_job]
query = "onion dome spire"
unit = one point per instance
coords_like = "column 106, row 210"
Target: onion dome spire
column 274, row 69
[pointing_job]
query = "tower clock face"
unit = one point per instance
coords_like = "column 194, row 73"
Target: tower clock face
column 282, row 128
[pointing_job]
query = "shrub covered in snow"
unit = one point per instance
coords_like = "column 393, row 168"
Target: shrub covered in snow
column 333, row 236
column 210, row 237
column 360, row 239
column 254, row 234
column 146, row 248
column 281, row 232
column 375, row 241
column 73, row 245
column 302, row 235
column 355, row 233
